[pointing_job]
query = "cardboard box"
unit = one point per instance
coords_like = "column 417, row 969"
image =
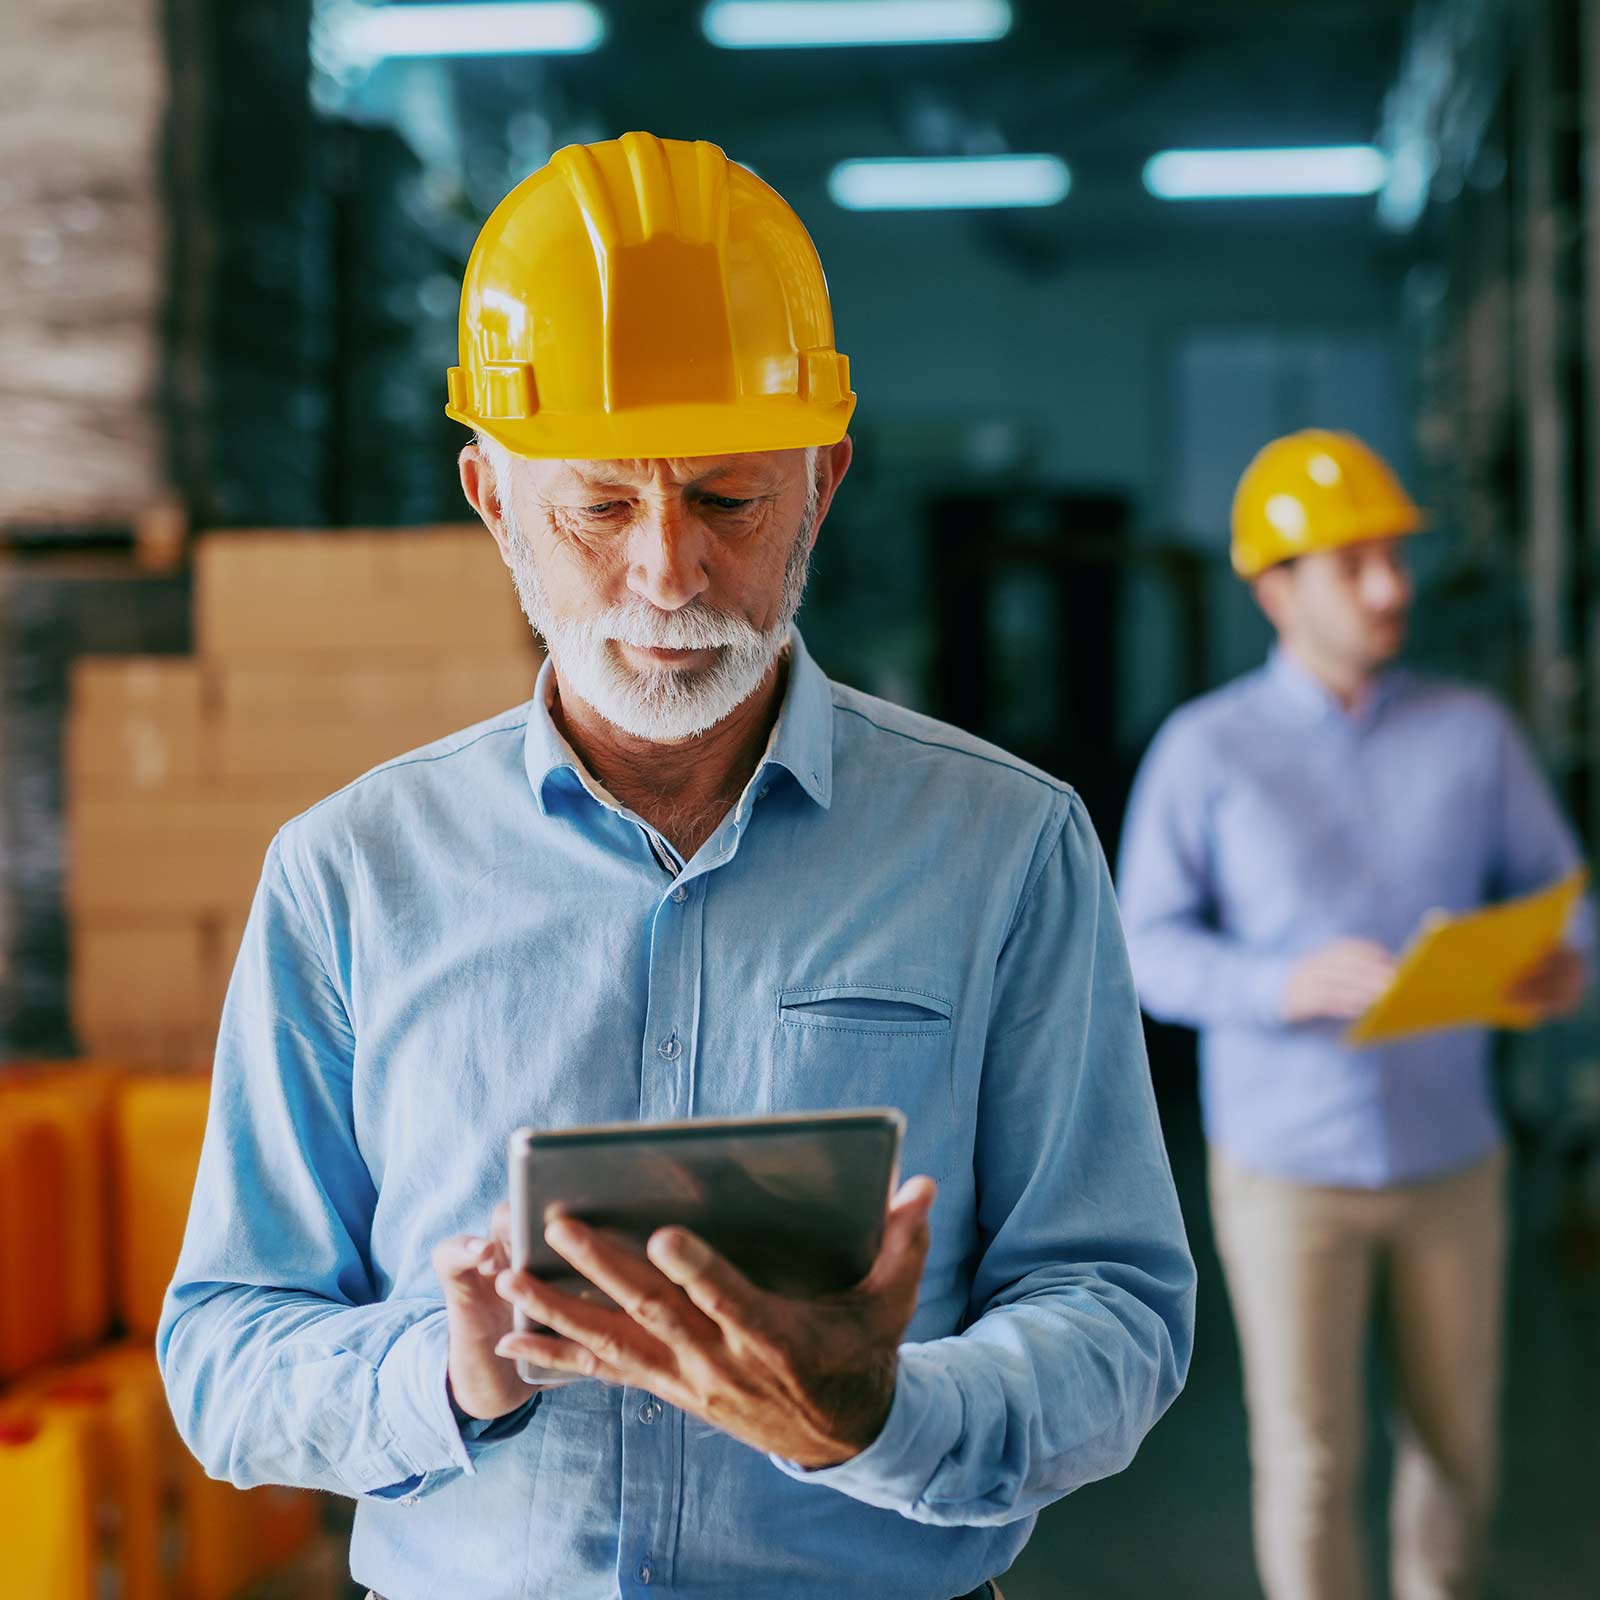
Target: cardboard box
column 141, row 975
column 273, row 596
column 223, row 936
column 136, row 723
column 473, row 685
column 174, row 1050
column 196, row 853
column 335, row 724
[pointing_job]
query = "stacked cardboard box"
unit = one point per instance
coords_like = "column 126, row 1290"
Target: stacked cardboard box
column 319, row 656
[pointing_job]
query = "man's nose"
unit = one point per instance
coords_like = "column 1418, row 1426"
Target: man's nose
column 1386, row 587
column 666, row 557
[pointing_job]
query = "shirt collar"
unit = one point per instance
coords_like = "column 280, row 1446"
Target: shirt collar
column 801, row 741
column 1311, row 699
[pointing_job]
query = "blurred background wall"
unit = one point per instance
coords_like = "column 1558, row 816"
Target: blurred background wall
column 230, row 246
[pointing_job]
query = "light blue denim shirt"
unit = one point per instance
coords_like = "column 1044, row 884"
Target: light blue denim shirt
column 474, row 937
column 1268, row 821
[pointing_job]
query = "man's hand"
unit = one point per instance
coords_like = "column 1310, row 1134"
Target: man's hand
column 1338, row 981
column 485, row 1385
column 811, row 1381
column 1552, row 986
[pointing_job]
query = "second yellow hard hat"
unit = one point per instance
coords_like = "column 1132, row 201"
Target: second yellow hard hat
column 1315, row 490
column 647, row 297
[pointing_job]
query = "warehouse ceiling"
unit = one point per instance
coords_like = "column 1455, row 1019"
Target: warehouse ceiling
column 1103, row 86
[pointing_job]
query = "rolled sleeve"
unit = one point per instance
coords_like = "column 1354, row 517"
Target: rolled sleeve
column 1189, row 970
column 924, row 1423
column 415, row 1396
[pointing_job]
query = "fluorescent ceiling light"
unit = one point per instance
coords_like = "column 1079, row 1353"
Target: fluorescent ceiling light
column 365, row 34
column 782, row 24
column 1264, row 174
column 937, row 184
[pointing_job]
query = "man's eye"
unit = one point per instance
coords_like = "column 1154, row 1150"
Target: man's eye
column 601, row 508
column 723, row 502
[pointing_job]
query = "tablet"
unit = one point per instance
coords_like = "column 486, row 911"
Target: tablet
column 795, row 1202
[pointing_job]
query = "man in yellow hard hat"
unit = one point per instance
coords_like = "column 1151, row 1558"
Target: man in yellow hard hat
column 692, row 877
column 1285, row 836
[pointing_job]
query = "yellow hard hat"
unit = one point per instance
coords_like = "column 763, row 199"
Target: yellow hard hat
column 647, row 297
column 1315, row 490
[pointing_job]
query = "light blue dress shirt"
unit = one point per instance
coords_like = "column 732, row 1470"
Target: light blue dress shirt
column 474, row 937
column 1268, row 821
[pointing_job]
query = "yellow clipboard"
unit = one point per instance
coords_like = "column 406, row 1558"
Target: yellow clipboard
column 1456, row 970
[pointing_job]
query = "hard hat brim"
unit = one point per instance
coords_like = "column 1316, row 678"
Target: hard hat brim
column 655, row 432
column 1366, row 532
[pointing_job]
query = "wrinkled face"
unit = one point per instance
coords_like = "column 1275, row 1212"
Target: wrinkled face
column 664, row 589
column 1347, row 607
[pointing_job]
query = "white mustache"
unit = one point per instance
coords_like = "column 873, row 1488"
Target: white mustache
column 693, row 628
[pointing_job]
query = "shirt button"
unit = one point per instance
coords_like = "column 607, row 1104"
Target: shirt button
column 669, row 1049
column 680, row 894
column 649, row 1411
column 645, row 1573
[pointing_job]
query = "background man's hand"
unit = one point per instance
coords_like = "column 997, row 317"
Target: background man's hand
column 1338, row 981
column 1551, row 987
column 811, row 1381
column 485, row 1385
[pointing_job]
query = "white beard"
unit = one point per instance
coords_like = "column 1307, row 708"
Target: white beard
column 669, row 704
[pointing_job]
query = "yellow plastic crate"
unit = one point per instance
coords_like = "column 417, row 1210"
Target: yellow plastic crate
column 115, row 1396
column 157, row 1128
column 158, row 1528
column 47, row 1505
column 54, row 1222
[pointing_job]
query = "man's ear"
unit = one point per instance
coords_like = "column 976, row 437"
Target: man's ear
column 1271, row 591
column 833, row 461
column 479, row 485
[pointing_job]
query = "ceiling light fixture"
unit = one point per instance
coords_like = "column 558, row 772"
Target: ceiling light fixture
column 794, row 24
column 1308, row 171
column 949, row 183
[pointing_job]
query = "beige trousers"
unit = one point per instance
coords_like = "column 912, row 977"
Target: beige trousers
column 1302, row 1264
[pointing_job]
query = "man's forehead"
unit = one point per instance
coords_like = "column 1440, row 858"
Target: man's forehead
column 679, row 469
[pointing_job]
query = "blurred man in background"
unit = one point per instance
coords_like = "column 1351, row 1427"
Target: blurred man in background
column 691, row 877
column 1285, row 836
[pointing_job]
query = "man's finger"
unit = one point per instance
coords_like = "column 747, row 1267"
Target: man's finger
column 559, row 1355
column 500, row 1225
column 713, row 1283
column 652, row 1300
column 457, row 1259
column 905, row 1237
column 611, row 1335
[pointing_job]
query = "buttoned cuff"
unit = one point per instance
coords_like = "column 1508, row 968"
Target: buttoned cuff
column 1266, row 985
column 924, row 1423
column 414, row 1394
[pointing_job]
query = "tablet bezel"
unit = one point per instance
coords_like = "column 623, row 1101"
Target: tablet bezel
column 526, row 1142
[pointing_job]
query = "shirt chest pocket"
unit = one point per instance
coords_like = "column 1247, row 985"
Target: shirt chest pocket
column 865, row 1044
column 867, row 1010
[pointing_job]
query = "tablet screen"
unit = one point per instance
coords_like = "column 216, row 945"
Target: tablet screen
column 795, row 1202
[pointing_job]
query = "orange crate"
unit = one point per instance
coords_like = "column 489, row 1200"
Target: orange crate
column 158, row 1125
column 54, row 1225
